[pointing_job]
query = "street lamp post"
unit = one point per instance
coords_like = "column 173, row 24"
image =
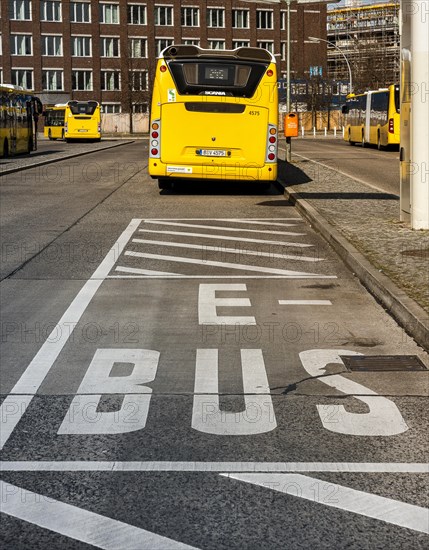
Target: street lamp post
column 316, row 40
column 288, row 44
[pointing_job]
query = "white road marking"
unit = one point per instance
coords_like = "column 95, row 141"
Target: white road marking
column 383, row 417
column 258, row 415
column 79, row 524
column 343, row 498
column 145, row 272
column 259, row 221
column 228, row 265
column 35, row 373
column 224, row 228
column 244, row 220
column 215, row 467
column 225, row 238
column 140, row 274
column 305, row 302
column 239, row 251
column 207, row 304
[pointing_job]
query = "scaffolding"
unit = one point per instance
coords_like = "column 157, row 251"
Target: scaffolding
column 369, row 37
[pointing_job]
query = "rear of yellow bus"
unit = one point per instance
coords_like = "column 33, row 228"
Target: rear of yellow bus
column 82, row 120
column 394, row 116
column 214, row 115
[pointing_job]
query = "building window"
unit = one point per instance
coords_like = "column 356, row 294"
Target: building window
column 111, row 108
column 52, row 45
column 216, row 44
column 240, row 19
column 52, row 80
column 140, row 108
column 109, row 47
column 50, row 11
column 20, row 10
column 109, row 13
column 163, row 16
column 21, row 44
column 138, row 47
column 264, row 19
column 191, row 41
column 215, row 17
column 161, row 44
column 283, row 20
column 190, row 17
column 283, row 50
column 110, row 80
column 82, row 80
column 80, row 12
column 81, row 46
column 22, row 77
column 136, row 14
column 138, row 80
column 240, row 44
column 266, row 44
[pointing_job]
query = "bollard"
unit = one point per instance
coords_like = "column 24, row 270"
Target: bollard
column 314, row 131
column 302, row 131
column 335, row 131
column 326, row 132
column 344, row 131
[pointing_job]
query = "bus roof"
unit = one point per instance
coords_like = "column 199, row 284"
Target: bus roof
column 177, row 51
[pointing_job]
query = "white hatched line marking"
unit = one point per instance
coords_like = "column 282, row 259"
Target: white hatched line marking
column 224, row 219
column 239, row 251
column 243, row 267
column 343, row 498
column 305, row 302
column 215, row 467
column 260, row 222
column 79, row 524
column 222, row 228
column 224, row 238
column 138, row 275
column 123, row 269
column 35, row 373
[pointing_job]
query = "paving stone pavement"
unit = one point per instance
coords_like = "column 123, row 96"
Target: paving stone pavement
column 369, row 221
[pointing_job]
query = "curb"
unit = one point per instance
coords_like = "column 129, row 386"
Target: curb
column 57, row 159
column 410, row 315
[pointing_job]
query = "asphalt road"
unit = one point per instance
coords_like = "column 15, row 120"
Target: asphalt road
column 380, row 169
column 173, row 373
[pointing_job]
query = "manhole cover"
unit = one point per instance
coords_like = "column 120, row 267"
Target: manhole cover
column 382, row 363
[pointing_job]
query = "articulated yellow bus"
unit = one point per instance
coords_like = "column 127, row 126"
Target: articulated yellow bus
column 373, row 118
column 82, row 120
column 19, row 113
column 214, row 115
column 54, row 121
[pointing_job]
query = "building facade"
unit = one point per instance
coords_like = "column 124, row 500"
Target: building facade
column 106, row 50
column 368, row 35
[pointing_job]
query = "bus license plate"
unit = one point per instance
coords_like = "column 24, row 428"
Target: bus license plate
column 211, row 153
column 82, row 130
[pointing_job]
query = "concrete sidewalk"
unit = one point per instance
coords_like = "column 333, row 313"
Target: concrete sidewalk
column 362, row 225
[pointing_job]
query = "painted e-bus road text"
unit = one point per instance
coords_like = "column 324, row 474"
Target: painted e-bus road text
column 383, row 417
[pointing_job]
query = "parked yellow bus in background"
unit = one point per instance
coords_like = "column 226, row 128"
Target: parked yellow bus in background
column 82, row 120
column 19, row 114
column 54, row 121
column 373, row 118
column 214, row 115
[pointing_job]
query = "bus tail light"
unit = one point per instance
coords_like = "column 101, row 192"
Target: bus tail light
column 271, row 146
column 391, row 126
column 155, row 139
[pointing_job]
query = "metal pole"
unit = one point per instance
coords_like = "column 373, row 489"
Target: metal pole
column 316, row 39
column 288, row 139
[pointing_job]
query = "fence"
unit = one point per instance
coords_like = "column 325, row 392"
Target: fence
column 119, row 123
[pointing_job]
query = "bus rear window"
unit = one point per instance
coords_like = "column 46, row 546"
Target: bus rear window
column 206, row 77
column 84, row 108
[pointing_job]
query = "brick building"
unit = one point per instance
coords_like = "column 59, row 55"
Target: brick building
column 106, row 50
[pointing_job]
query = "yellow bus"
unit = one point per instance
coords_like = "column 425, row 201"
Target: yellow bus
column 373, row 118
column 82, row 120
column 214, row 115
column 54, row 121
column 19, row 114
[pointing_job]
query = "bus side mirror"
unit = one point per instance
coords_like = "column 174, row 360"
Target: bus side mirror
column 345, row 109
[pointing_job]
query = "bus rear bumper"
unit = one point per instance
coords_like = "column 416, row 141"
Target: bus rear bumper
column 210, row 171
